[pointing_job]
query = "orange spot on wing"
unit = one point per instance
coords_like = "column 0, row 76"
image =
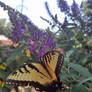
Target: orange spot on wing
column 61, row 51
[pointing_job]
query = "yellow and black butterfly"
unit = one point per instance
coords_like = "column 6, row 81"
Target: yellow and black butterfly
column 42, row 75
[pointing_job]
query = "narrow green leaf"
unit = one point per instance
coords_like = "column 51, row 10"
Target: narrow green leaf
column 80, row 69
column 88, row 79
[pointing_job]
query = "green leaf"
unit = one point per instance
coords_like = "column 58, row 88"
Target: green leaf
column 4, row 89
column 1, row 89
column 90, row 65
column 63, row 76
column 89, row 84
column 83, row 81
column 77, row 88
column 80, row 69
column 70, row 34
column 2, row 74
column 80, row 36
column 17, row 52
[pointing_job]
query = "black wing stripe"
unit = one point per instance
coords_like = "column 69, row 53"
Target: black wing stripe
column 42, row 63
column 26, row 69
column 48, row 57
column 59, row 64
column 48, row 54
column 45, row 59
column 33, row 67
column 20, row 71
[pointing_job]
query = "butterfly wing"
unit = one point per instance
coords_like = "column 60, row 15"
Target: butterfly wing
column 53, row 60
column 29, row 74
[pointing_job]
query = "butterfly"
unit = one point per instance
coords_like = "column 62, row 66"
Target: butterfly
column 43, row 75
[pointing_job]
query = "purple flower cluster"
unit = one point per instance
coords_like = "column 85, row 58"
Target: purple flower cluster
column 75, row 9
column 17, row 32
column 40, row 41
column 64, row 7
column 17, row 28
column 27, row 21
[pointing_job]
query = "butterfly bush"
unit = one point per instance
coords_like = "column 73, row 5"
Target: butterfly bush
column 75, row 9
column 72, row 10
column 39, row 42
column 64, row 7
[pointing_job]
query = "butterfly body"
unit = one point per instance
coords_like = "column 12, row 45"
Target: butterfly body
column 42, row 75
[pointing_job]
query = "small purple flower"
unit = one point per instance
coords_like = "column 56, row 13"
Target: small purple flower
column 17, row 33
column 41, row 52
column 32, row 46
column 75, row 9
column 64, row 7
column 14, row 36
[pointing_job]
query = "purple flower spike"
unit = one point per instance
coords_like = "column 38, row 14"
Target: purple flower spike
column 16, row 34
column 62, row 4
column 75, row 9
